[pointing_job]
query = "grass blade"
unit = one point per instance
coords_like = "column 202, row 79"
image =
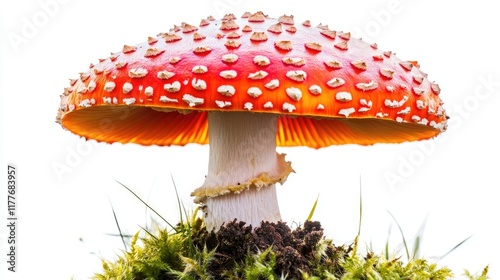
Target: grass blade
column 183, row 208
column 147, row 205
column 360, row 205
column 147, row 200
column 116, row 235
column 179, row 203
column 118, row 225
column 418, row 239
column 454, row 248
column 309, row 218
column 148, row 232
column 387, row 256
column 402, row 235
column 355, row 249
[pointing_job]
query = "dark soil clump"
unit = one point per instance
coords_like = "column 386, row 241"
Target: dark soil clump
column 297, row 251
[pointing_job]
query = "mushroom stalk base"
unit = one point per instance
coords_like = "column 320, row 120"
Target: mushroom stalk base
column 243, row 169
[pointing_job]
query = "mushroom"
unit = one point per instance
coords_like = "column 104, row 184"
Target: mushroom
column 246, row 86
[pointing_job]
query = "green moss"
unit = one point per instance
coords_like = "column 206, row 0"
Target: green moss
column 272, row 251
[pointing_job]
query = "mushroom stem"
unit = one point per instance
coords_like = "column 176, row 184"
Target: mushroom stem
column 251, row 206
column 243, row 169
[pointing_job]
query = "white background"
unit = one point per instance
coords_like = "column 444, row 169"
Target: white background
column 65, row 219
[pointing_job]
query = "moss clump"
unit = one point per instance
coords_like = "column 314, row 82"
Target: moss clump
column 271, row 251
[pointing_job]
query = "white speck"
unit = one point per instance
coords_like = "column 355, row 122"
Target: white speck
column 296, row 61
column 120, row 64
column 228, row 74
column 297, row 75
column 84, row 76
column 335, row 82
column 418, row 91
column 129, row 101
column 395, row 103
column 222, row 104
column 174, row 59
column 261, row 60
column 248, row 106
column 406, row 65
column 137, row 72
column 91, row 86
column 432, row 107
column 390, row 88
column 232, row 43
column 273, row 84
column 268, row 105
column 185, row 82
column 71, row 107
column 106, row 100
column 440, row 111
column 229, row 58
column 294, row 93
column 399, row 119
column 165, row 75
column 109, row 86
column 200, row 69
column 320, row 107
column 81, row 89
column 127, row 87
column 421, row 104
column 367, row 105
column 346, row 112
column 141, row 87
column 257, row 75
column 202, row 49
column 314, row 46
column 405, row 111
column 98, row 70
column 173, row 87
column 191, row 100
column 254, row 92
column 115, row 100
column 435, row 88
column 415, row 118
column 151, row 52
column 226, row 90
column 381, row 115
column 359, row 64
column 149, row 91
column 315, row 89
column 403, row 86
column 387, row 72
column 199, row 84
column 342, row 46
column 424, row 121
column 288, row 107
column 343, row 96
column 441, row 126
column 165, row 99
column 418, row 78
column 333, row 64
column 85, row 103
column 367, row 86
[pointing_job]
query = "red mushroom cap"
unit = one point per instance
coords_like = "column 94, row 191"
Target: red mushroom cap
column 327, row 87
